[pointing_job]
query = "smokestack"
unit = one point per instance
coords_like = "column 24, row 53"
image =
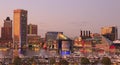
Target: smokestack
column 81, row 33
column 84, row 33
column 89, row 33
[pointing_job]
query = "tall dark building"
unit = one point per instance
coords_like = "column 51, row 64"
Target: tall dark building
column 6, row 33
column 20, row 27
column 32, row 29
column 6, row 30
column 110, row 32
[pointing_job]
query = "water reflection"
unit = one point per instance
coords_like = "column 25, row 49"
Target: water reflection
column 26, row 52
column 30, row 52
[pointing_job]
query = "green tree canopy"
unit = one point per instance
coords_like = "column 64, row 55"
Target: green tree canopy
column 17, row 61
column 63, row 62
column 52, row 61
column 106, row 61
column 85, row 61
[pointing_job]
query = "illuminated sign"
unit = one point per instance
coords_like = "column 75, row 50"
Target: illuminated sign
column 65, row 53
column 65, row 45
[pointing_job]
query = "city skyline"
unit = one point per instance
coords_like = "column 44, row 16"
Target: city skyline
column 66, row 16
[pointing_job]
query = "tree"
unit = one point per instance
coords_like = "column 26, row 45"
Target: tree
column 52, row 61
column 63, row 62
column 85, row 61
column 106, row 61
column 17, row 61
column 32, row 61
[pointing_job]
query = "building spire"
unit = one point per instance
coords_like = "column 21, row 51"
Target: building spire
column 8, row 19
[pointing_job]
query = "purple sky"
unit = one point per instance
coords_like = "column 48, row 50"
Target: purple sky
column 68, row 16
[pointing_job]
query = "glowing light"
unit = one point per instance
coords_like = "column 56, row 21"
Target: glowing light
column 61, row 36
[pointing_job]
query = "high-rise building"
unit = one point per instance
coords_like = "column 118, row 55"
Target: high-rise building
column 6, row 33
column 110, row 32
column 32, row 29
column 6, row 30
column 20, row 27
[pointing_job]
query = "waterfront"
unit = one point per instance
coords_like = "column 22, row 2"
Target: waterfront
column 42, row 56
column 26, row 52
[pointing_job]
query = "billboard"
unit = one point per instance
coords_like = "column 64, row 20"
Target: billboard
column 78, row 42
column 66, row 45
column 65, row 53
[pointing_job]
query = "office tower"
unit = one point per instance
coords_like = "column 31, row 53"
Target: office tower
column 6, row 30
column 110, row 32
column 32, row 29
column 20, row 27
column 6, row 33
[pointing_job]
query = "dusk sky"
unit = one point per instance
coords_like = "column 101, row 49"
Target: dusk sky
column 68, row 16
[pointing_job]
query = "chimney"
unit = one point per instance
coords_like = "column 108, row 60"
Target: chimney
column 84, row 33
column 81, row 34
column 89, row 33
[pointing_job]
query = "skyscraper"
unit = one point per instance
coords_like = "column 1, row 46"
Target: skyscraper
column 32, row 29
column 110, row 32
column 6, row 30
column 20, row 27
column 6, row 33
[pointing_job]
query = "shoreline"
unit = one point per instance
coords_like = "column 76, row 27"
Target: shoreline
column 3, row 49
